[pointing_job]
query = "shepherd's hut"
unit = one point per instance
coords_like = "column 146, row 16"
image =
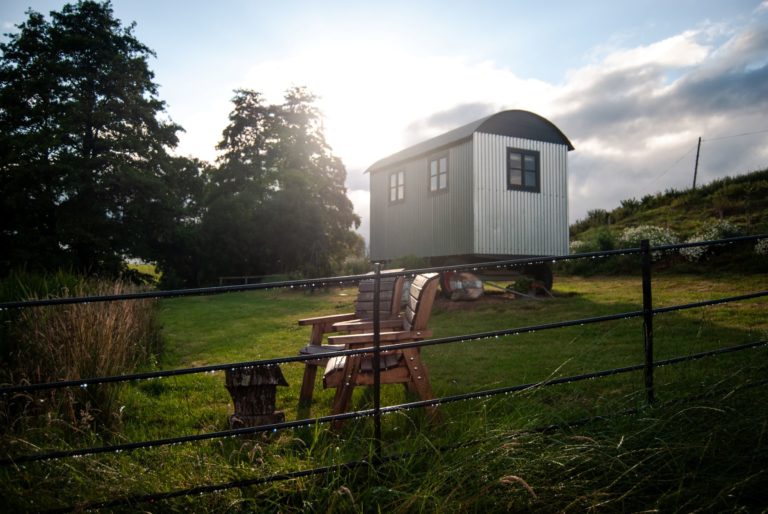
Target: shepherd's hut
column 496, row 188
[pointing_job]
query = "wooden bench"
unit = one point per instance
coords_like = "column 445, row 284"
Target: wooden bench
column 390, row 298
column 397, row 366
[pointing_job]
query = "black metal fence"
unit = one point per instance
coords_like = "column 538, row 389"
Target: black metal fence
column 647, row 313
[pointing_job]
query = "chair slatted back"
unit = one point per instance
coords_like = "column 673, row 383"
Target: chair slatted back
column 421, row 296
column 390, row 292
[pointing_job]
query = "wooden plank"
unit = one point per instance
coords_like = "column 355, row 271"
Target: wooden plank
column 344, row 390
column 384, row 337
column 419, row 280
column 397, row 294
column 386, row 361
column 384, row 296
column 367, row 325
column 398, row 375
column 307, row 385
column 427, row 299
column 332, row 318
column 367, row 306
column 386, row 284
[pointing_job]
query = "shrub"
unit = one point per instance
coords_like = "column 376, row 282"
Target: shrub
column 657, row 236
column 724, row 202
column 595, row 218
column 719, row 230
column 761, row 248
column 69, row 342
column 409, row 262
column 627, row 208
column 604, row 240
column 355, row 266
column 577, row 246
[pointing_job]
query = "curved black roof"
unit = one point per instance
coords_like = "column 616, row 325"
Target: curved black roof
column 513, row 123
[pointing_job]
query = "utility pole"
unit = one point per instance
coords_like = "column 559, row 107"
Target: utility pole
column 696, row 166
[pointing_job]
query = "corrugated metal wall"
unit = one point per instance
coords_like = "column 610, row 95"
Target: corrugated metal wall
column 426, row 225
column 519, row 222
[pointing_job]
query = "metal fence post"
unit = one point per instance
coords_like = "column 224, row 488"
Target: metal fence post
column 376, row 361
column 647, row 318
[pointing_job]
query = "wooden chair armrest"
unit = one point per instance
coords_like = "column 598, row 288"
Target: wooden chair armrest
column 384, row 337
column 329, row 319
column 367, row 325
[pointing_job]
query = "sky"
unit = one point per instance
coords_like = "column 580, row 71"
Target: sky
column 632, row 84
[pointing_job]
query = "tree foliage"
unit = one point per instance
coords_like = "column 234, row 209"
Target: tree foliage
column 85, row 174
column 277, row 201
column 87, row 179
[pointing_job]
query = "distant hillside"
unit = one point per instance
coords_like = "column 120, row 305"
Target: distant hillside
column 740, row 204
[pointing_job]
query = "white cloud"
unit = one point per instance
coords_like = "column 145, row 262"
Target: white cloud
column 676, row 51
column 669, row 139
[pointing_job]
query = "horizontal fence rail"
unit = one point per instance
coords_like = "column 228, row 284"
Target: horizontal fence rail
column 647, row 313
column 332, row 281
column 148, row 375
column 363, row 463
column 274, row 427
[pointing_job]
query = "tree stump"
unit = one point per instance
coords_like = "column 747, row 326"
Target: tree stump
column 253, row 392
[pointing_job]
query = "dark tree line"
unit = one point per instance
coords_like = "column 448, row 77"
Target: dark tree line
column 88, row 178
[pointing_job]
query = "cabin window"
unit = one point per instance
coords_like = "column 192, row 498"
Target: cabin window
column 523, row 173
column 397, row 187
column 438, row 174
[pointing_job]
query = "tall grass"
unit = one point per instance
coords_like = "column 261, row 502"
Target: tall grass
column 69, row 342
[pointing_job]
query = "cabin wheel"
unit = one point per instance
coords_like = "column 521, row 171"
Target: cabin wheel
column 541, row 273
column 461, row 285
column 446, row 288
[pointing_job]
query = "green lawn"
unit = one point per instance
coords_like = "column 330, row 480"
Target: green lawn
column 246, row 326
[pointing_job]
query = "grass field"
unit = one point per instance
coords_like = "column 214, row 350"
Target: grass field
column 708, row 455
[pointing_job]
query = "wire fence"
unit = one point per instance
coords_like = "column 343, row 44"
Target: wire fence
column 647, row 313
column 367, row 464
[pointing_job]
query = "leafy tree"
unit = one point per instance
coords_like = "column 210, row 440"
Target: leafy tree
column 312, row 213
column 277, row 201
column 85, row 174
column 170, row 229
column 232, row 234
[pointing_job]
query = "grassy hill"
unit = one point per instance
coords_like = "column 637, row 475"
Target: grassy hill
column 740, row 203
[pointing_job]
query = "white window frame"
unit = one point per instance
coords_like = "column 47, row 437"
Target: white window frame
column 397, row 186
column 437, row 173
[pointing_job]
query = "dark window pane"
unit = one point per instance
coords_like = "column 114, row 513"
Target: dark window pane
column 515, row 160
column 530, row 178
column 530, row 162
column 515, row 177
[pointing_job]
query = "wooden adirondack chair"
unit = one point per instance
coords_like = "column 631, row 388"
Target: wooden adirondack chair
column 390, row 294
column 398, row 366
